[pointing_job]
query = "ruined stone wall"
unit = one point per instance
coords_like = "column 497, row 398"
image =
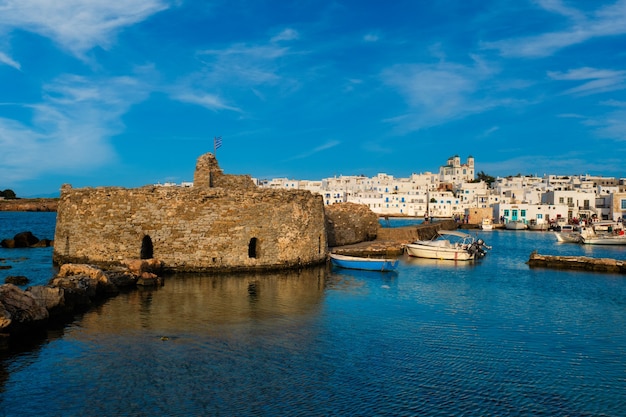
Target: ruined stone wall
column 348, row 223
column 192, row 229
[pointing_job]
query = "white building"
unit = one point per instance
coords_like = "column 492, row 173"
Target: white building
column 454, row 172
column 579, row 203
column 452, row 191
column 541, row 213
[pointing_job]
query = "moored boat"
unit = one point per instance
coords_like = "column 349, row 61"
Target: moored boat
column 515, row 225
column 567, row 233
column 536, row 225
column 603, row 233
column 450, row 245
column 486, row 224
column 605, row 239
column 367, row 264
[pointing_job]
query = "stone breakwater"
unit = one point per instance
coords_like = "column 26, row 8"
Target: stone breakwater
column 582, row 263
column 28, row 204
column 75, row 288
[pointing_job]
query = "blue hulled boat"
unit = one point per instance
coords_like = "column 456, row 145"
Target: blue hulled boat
column 367, row 264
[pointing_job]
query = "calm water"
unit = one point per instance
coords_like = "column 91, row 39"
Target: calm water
column 490, row 339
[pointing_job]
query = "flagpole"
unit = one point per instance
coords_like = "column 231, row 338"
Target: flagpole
column 217, row 142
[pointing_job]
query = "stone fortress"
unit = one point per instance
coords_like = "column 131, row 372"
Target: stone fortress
column 223, row 222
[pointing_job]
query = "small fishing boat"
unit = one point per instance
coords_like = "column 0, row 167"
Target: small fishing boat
column 536, row 225
column 603, row 233
column 486, row 224
column 448, row 244
column 605, row 239
column 367, row 264
column 515, row 225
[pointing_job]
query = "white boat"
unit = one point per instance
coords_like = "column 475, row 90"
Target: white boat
column 603, row 233
column 606, row 226
column 535, row 225
column 515, row 225
column 366, row 264
column 605, row 239
column 568, row 233
column 486, row 224
column 448, row 244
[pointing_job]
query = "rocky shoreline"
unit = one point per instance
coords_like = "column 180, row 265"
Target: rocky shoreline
column 75, row 288
column 29, row 204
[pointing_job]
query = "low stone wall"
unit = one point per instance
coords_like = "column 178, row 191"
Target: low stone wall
column 408, row 234
column 577, row 263
column 348, row 223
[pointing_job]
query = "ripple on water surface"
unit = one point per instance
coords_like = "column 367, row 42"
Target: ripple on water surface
column 435, row 338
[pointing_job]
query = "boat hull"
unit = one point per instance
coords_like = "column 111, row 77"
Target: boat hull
column 567, row 237
column 605, row 240
column 516, row 225
column 365, row 264
column 438, row 252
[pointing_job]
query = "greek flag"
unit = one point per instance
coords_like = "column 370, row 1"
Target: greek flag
column 217, row 142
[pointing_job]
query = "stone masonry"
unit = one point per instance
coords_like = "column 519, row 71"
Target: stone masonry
column 223, row 222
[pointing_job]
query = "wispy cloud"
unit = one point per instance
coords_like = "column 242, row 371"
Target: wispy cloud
column 244, row 65
column 371, row 37
column 438, row 93
column 490, row 131
column 76, row 25
column 288, row 34
column 239, row 67
column 328, row 145
column 606, row 21
column 612, row 124
column 209, row 101
column 5, row 59
column 70, row 129
column 596, row 80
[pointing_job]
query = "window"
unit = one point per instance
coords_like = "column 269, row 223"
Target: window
column 146, row 251
column 252, row 247
column 506, row 213
column 623, row 204
column 523, row 213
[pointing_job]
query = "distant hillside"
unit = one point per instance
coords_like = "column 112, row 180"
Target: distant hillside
column 29, row 204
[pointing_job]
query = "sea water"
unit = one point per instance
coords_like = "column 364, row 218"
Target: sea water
column 33, row 263
column 437, row 338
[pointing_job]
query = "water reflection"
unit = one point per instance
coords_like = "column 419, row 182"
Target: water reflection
column 439, row 263
column 192, row 303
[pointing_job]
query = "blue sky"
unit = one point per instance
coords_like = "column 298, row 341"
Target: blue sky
column 106, row 93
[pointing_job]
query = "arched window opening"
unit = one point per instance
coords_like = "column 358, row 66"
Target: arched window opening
column 252, row 247
column 146, row 248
